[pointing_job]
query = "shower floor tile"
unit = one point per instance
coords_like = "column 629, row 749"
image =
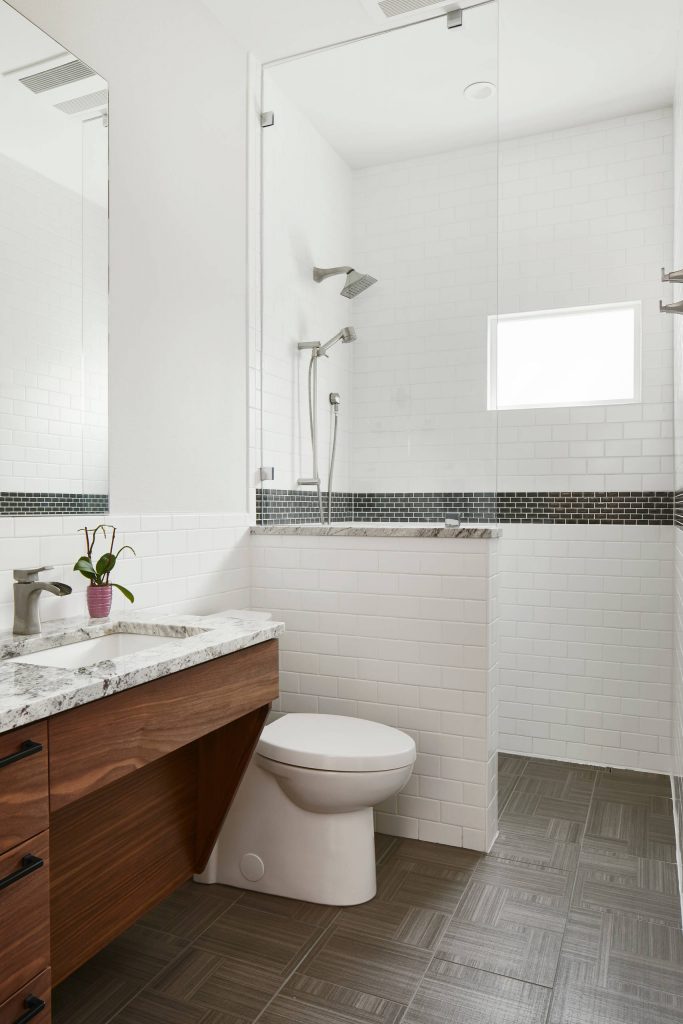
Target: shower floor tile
column 573, row 918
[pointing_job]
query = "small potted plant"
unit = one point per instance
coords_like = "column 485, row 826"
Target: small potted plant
column 99, row 592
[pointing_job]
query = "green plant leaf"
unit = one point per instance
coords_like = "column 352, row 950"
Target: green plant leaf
column 126, row 547
column 85, row 567
column 105, row 563
column 126, row 593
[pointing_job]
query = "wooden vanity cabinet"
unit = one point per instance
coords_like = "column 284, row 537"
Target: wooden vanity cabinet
column 105, row 809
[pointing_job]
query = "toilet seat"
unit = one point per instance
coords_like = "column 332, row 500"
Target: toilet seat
column 335, row 743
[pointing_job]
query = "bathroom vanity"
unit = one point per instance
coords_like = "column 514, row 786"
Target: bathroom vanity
column 115, row 778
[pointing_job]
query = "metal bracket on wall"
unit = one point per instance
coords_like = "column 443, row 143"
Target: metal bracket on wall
column 675, row 277
column 268, row 119
column 266, row 472
column 454, row 18
column 672, row 307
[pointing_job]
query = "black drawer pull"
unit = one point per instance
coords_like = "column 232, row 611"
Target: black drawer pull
column 34, row 1006
column 28, row 865
column 26, row 750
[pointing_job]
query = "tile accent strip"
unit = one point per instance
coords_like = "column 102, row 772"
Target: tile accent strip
column 678, row 509
column 608, row 508
column 25, row 503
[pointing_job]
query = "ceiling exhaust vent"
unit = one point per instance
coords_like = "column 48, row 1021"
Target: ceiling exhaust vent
column 82, row 103
column 397, row 8
column 404, row 12
column 55, row 78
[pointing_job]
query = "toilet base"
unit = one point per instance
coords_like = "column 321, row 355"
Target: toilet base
column 269, row 844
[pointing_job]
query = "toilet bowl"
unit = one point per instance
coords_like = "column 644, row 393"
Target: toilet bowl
column 301, row 824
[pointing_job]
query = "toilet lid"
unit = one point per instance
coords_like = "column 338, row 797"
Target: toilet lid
column 336, row 743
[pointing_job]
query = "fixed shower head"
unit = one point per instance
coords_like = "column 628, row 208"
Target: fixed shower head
column 355, row 282
column 346, row 335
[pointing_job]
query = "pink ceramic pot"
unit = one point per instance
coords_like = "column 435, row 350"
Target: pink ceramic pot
column 99, row 601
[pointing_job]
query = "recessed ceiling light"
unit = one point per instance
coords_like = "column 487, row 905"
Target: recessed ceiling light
column 480, row 90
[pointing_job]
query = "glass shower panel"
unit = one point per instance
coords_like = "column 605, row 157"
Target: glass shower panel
column 382, row 162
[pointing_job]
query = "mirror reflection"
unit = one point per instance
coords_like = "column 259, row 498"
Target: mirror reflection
column 53, row 275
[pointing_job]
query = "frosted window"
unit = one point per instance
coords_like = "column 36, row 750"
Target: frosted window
column 584, row 356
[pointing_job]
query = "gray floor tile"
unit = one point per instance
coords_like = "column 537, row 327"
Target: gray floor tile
column 550, row 801
column 510, row 921
column 306, row 1000
column 618, row 969
column 150, row 1008
column 379, row 967
column 191, row 909
column 453, row 994
column 92, row 996
column 425, row 884
column 629, row 884
column 259, row 940
column 626, row 820
column 543, row 852
column 411, row 926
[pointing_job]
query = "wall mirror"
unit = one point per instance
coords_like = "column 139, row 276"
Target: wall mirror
column 54, row 272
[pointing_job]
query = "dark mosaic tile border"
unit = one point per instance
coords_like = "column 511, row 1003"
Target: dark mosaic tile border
column 678, row 509
column 607, row 508
column 25, row 503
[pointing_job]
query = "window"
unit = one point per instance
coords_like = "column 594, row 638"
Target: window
column 589, row 355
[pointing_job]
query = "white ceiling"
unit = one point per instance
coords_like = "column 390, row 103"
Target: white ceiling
column 557, row 64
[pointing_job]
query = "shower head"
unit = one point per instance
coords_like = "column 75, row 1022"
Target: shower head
column 346, row 335
column 355, row 282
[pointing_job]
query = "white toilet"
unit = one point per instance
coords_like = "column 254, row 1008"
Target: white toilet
column 301, row 824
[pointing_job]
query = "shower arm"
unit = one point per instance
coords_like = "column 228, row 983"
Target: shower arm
column 321, row 275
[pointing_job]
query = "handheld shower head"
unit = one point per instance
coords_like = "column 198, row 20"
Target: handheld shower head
column 346, row 335
column 355, row 281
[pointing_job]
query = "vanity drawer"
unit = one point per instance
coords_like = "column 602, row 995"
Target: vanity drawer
column 98, row 743
column 30, row 1003
column 24, row 804
column 24, row 914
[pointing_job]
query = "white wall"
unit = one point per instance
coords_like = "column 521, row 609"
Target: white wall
column 427, row 229
column 177, row 358
column 41, row 338
column 306, row 223
column 192, row 564
column 585, row 218
column 400, row 631
column 586, row 643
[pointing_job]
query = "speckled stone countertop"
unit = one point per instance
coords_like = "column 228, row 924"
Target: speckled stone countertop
column 468, row 531
column 31, row 692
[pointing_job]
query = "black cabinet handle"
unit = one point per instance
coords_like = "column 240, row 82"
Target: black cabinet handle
column 29, row 864
column 26, row 749
column 34, row 1006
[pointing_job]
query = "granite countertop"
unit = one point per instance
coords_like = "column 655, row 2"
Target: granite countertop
column 31, row 692
column 468, row 531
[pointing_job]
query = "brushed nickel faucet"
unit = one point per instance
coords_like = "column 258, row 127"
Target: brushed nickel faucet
column 27, row 590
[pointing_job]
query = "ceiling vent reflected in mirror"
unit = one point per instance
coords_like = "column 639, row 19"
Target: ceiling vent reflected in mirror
column 405, row 12
column 64, row 83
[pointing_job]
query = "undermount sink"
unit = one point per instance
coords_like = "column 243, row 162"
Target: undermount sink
column 89, row 652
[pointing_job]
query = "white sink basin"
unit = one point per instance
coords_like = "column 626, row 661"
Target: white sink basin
column 100, row 648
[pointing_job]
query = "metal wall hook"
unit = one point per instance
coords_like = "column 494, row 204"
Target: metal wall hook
column 674, row 277
column 672, row 307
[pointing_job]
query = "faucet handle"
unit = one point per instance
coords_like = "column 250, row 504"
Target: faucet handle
column 30, row 575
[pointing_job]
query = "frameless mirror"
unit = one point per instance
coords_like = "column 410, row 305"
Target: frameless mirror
column 54, row 272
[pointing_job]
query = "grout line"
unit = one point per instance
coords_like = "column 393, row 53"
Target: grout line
column 323, row 935
column 571, row 895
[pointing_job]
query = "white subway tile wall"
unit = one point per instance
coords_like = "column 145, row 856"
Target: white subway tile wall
column 586, row 644
column 585, row 218
column 53, row 433
column 400, row 631
column 193, row 564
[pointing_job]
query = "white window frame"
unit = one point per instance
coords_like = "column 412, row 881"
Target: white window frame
column 492, row 361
